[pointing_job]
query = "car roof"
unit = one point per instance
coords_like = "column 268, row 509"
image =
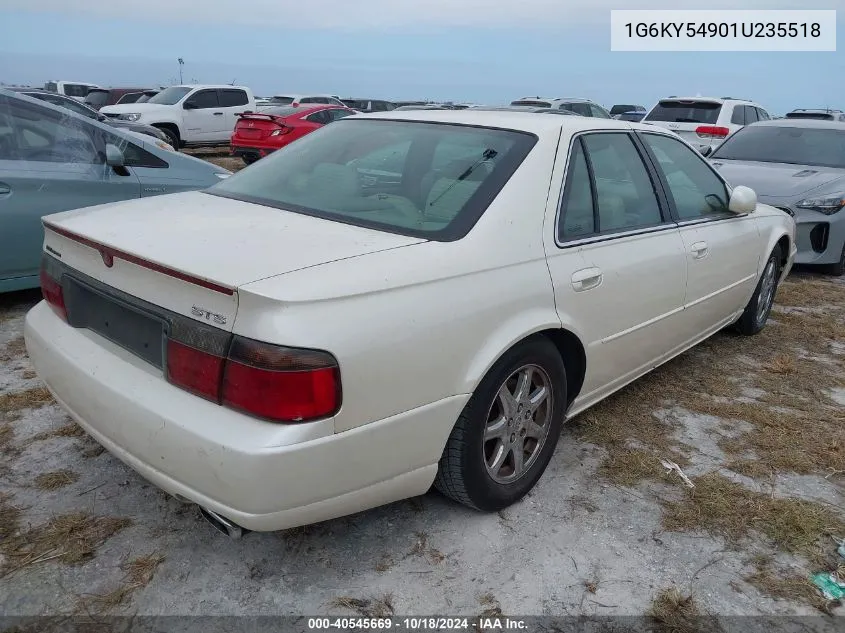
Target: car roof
column 532, row 122
column 204, row 86
column 705, row 99
column 808, row 123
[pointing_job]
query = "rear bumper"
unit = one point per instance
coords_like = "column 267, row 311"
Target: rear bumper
column 261, row 475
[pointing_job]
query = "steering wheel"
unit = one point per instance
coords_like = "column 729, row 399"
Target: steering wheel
column 399, row 203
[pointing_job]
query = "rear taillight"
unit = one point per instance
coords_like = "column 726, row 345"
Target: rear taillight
column 280, row 383
column 712, row 131
column 194, row 370
column 51, row 290
column 277, row 383
column 283, row 129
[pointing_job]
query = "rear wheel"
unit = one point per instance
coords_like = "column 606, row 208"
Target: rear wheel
column 508, row 430
column 249, row 159
column 759, row 307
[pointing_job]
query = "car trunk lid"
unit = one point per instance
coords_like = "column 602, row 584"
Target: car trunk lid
column 189, row 252
column 259, row 126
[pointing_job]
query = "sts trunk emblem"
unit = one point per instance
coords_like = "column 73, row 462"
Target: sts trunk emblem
column 108, row 258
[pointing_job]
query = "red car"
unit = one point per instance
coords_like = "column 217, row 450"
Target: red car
column 260, row 133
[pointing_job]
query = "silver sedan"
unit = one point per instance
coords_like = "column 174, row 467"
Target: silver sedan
column 798, row 166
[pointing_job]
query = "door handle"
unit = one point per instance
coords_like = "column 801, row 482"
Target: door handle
column 586, row 278
column 699, row 250
column 218, row 114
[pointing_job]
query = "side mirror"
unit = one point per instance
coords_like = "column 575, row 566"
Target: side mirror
column 114, row 156
column 189, row 105
column 743, row 200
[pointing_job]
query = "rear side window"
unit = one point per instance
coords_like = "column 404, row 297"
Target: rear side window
column 322, row 117
column 577, row 210
column 685, row 112
column 230, row 98
column 330, row 174
column 738, row 116
column 695, row 188
column 203, row 99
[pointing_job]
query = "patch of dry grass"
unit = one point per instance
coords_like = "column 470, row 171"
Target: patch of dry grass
column 788, row 586
column 56, row 479
column 14, row 401
column 673, row 612
column 378, row 607
column 795, row 426
column 732, row 511
column 139, row 573
column 16, row 348
column 69, row 538
column 67, row 430
column 29, row 374
column 10, row 517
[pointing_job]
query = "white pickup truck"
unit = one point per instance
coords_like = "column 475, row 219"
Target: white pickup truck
column 190, row 115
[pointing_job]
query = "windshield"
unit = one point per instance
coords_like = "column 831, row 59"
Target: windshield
column 171, row 95
column 685, row 112
column 816, row 147
column 97, row 98
column 414, row 178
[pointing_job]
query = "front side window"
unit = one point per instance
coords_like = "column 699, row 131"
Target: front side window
column 693, row 185
column 763, row 115
column 599, row 112
column 33, row 133
column 738, row 116
column 330, row 174
column 130, row 97
column 203, row 99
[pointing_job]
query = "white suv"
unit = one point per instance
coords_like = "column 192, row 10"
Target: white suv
column 705, row 121
column 190, row 115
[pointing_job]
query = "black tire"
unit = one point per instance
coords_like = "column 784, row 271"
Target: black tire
column 755, row 315
column 248, row 160
column 837, row 269
column 172, row 137
column 463, row 470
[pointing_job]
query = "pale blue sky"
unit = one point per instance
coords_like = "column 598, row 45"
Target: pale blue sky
column 464, row 50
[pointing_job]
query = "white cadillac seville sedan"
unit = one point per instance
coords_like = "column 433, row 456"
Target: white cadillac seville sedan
column 394, row 301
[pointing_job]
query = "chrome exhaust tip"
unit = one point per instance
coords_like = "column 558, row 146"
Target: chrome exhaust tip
column 224, row 525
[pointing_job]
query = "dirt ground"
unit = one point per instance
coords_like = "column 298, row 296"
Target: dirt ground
column 755, row 423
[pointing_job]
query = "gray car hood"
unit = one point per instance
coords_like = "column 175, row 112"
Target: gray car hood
column 777, row 180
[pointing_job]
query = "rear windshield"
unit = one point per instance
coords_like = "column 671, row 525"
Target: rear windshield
column 170, row 96
column 51, row 86
column 821, row 116
column 426, row 179
column 619, row 108
column 817, row 147
column 146, row 97
column 281, row 100
column 356, row 104
column 76, row 90
column 97, row 98
column 685, row 112
column 532, row 102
